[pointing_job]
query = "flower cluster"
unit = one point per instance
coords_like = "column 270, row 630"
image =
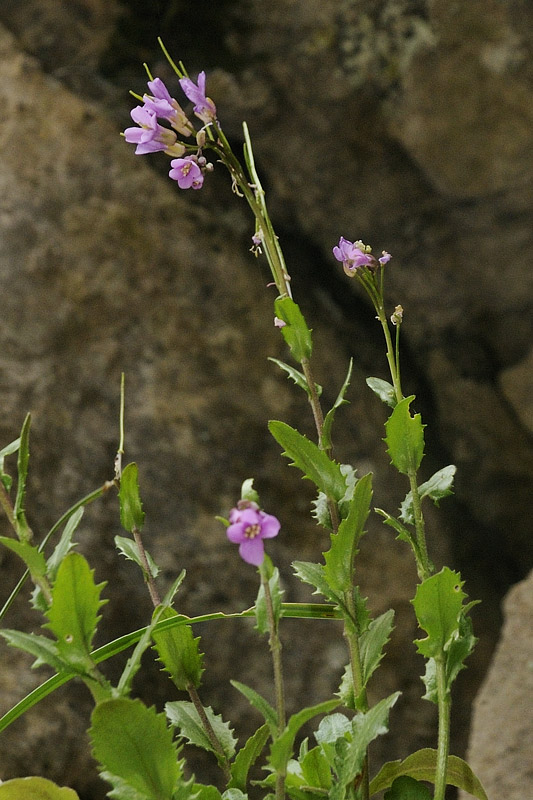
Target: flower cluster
column 152, row 137
column 355, row 255
column 248, row 527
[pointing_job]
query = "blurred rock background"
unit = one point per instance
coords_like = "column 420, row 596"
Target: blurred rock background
column 405, row 123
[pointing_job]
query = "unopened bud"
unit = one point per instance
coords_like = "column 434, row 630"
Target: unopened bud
column 397, row 317
column 200, row 138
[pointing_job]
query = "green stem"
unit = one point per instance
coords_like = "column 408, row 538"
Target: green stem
column 444, row 702
column 275, row 649
column 7, row 505
column 210, row 733
column 154, row 594
column 351, row 628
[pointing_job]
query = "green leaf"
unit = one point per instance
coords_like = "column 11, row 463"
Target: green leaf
column 121, row 790
column 43, row 649
column 325, row 442
column 404, row 534
column 261, row 615
column 438, row 486
column 247, row 756
column 339, row 559
column 178, row 651
column 131, row 511
column 310, row 459
column 204, row 792
column 438, row 606
column 384, row 390
column 282, row 747
column 350, row 751
column 133, row 742
column 134, row 661
column 406, row 788
column 173, row 589
column 315, row 769
column 321, row 511
column 260, row 704
column 422, row 765
column 314, row 574
column 8, row 450
column 31, row 556
column 297, row 376
column 73, row 614
column 23, row 529
column 295, row 331
column 64, row 546
column 184, row 716
column 129, row 549
column 373, row 641
column 35, row 789
column 405, row 437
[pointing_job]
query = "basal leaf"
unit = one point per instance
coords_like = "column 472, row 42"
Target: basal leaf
column 35, row 789
column 131, row 511
column 281, row 749
column 134, row 743
column 184, row 716
column 178, row 651
column 405, row 437
column 310, row 459
column 325, row 441
column 438, row 486
column 406, row 788
column 247, row 756
column 383, row 389
column 295, row 331
column 421, row 766
column 73, row 614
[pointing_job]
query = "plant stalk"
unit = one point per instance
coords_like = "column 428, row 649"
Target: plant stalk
column 444, row 702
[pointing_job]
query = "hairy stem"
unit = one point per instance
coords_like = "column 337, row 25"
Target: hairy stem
column 444, row 702
column 150, row 582
column 210, row 733
column 351, row 628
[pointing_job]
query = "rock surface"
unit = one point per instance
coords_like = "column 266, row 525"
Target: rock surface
column 403, row 123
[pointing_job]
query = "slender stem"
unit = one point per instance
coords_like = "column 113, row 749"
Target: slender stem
column 208, row 728
column 351, row 627
column 7, row 505
column 152, row 588
column 444, row 701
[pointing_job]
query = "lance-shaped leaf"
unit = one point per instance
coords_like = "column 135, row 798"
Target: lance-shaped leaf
column 310, row 459
column 247, row 756
column 297, row 376
column 339, row 559
column 372, row 643
column 133, row 743
column 23, row 529
column 295, row 331
column 405, row 437
column 130, row 550
column 131, row 511
column 384, row 390
column 43, row 649
column 35, row 789
column 282, row 747
column 178, row 651
column 422, row 766
column 8, row 450
column 31, row 556
column 325, row 441
column 314, row 575
column 184, row 716
column 73, row 615
column 260, row 704
column 438, row 486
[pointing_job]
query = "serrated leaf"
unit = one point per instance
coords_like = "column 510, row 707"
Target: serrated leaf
column 129, row 549
column 404, row 534
column 260, row 704
column 133, row 742
column 64, row 546
column 313, row 574
column 178, row 651
column 339, row 559
column 35, row 789
column 122, row 790
column 31, row 556
column 310, row 459
column 23, row 529
column 373, row 641
column 351, row 752
column 43, row 649
column 325, row 441
column 438, row 604
column 438, row 486
column 422, row 765
column 131, row 511
column 384, row 390
column 247, row 756
column 261, row 614
column 405, row 437
column 282, row 747
column 321, row 511
column 406, row 788
column 73, row 614
column 297, row 376
column 183, row 715
column 295, row 331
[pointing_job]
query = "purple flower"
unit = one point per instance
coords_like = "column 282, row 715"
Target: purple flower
column 165, row 107
column 248, row 527
column 150, row 137
column 385, row 257
column 186, row 172
column 204, row 108
column 352, row 256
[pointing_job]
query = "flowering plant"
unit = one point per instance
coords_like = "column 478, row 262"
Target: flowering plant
column 139, row 751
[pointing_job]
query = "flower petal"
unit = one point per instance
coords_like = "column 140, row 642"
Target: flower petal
column 252, row 551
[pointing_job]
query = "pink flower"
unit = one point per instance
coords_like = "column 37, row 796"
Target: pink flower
column 165, row 107
column 352, row 256
column 204, row 108
column 186, row 172
column 248, row 527
column 150, row 136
